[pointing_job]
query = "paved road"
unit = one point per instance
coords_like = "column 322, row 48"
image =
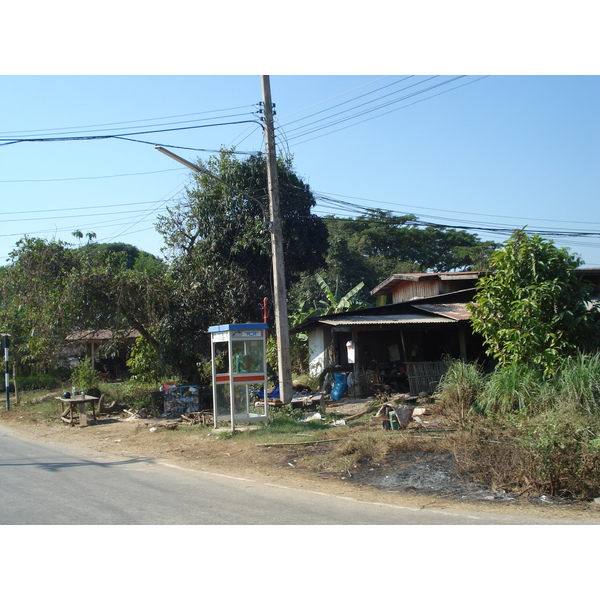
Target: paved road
column 43, row 484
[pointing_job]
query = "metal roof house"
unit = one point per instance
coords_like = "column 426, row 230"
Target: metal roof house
column 406, row 342
column 403, row 343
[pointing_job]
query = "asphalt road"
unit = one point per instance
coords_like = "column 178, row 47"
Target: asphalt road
column 43, row 484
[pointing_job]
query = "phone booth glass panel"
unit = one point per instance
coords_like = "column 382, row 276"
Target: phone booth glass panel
column 239, row 370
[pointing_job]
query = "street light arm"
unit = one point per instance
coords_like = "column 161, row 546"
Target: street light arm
column 197, row 169
column 188, row 164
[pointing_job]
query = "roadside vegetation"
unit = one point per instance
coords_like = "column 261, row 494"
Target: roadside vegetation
column 529, row 426
column 524, row 432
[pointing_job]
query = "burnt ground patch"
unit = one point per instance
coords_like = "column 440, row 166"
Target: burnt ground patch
column 432, row 473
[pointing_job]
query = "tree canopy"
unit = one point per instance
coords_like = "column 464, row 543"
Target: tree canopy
column 218, row 267
column 533, row 307
column 218, row 243
column 371, row 247
column 52, row 289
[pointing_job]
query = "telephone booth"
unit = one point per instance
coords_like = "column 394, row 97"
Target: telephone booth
column 239, row 371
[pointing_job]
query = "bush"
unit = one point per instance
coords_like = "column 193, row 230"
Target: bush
column 41, row 381
column 84, row 375
column 563, row 449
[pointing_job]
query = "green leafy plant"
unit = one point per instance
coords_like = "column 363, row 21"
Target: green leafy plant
column 84, row 375
column 533, row 307
column 564, row 453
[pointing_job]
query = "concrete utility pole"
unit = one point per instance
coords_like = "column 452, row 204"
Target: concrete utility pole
column 281, row 314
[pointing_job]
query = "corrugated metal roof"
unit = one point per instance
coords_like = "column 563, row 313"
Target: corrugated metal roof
column 456, row 311
column 382, row 319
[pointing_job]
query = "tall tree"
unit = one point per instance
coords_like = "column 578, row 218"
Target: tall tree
column 219, row 249
column 533, row 307
column 51, row 290
column 371, row 247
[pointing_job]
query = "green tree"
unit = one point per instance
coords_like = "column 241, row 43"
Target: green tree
column 225, row 218
column 533, row 308
column 370, row 248
column 51, row 289
column 219, row 250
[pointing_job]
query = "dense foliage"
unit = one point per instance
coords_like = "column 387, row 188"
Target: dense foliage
column 521, row 431
column 371, row 247
column 218, row 269
column 52, row 289
column 533, row 308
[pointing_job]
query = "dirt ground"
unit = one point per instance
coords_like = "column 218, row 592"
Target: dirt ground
column 416, row 480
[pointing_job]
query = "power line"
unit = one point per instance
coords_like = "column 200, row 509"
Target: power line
column 387, row 112
column 125, row 122
column 482, row 227
column 352, row 100
column 8, row 141
column 53, row 210
column 459, row 212
column 87, row 178
column 366, row 104
column 332, row 98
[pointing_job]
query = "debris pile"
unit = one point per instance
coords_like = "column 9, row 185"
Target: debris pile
column 399, row 416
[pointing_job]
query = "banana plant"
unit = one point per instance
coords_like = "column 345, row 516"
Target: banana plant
column 334, row 303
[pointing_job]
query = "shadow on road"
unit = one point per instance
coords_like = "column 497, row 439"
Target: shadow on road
column 58, row 466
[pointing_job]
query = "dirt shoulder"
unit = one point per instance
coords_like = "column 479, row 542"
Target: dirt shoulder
column 208, row 450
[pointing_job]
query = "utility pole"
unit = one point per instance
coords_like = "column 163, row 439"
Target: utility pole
column 281, row 314
column 5, row 345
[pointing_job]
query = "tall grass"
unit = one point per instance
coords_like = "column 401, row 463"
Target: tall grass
column 522, row 388
column 460, row 387
column 515, row 388
column 577, row 383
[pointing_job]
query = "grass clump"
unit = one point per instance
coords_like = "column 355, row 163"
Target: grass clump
column 459, row 389
column 563, row 453
column 515, row 388
column 577, row 383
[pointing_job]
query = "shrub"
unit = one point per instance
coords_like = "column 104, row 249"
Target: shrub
column 564, row 453
column 37, row 382
column 84, row 375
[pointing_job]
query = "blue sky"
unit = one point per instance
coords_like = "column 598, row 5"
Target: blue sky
column 487, row 152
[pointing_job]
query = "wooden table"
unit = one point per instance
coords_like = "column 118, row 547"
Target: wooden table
column 78, row 401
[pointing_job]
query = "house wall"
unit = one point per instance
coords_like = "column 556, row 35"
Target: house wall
column 317, row 351
column 410, row 290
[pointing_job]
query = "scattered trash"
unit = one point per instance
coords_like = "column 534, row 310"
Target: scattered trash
column 153, row 428
column 338, row 423
column 404, row 414
column 316, row 416
column 395, row 416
